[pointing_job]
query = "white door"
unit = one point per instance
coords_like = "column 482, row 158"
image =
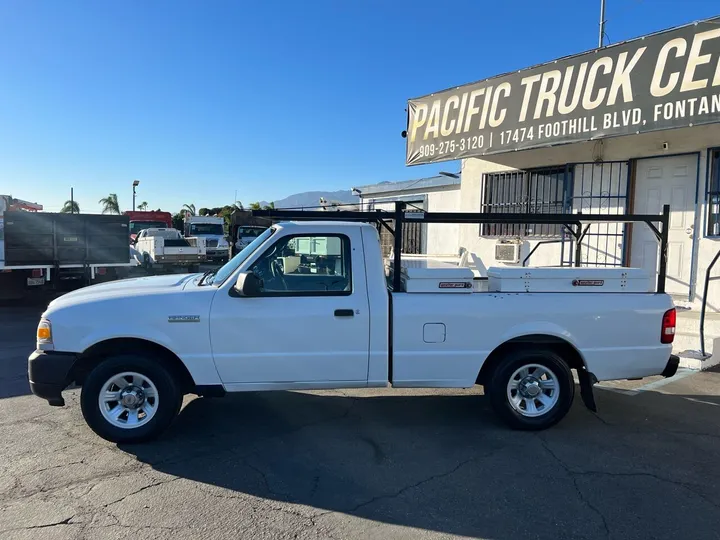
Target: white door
column 660, row 181
column 309, row 327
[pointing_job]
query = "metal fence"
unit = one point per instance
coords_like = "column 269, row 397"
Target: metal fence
column 412, row 241
column 599, row 188
column 713, row 196
column 536, row 191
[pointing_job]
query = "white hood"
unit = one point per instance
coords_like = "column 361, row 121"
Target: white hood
column 142, row 286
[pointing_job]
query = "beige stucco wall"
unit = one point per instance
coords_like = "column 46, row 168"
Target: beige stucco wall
column 438, row 238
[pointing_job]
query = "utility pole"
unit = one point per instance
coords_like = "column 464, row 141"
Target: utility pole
column 601, row 37
column 136, row 183
column 72, row 202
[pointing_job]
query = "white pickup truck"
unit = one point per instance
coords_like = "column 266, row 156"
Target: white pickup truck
column 308, row 306
column 164, row 248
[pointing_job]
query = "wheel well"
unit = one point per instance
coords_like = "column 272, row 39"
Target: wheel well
column 566, row 350
column 90, row 358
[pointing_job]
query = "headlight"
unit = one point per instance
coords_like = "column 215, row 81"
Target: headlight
column 44, row 335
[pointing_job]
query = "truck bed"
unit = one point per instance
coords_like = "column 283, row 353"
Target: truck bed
column 606, row 328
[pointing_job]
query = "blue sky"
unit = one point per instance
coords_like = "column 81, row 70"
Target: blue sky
column 200, row 99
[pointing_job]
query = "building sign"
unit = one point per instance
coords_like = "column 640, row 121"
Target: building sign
column 666, row 80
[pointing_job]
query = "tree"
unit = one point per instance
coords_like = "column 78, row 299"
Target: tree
column 204, row 211
column 189, row 208
column 142, row 206
column 255, row 206
column 178, row 221
column 110, row 204
column 70, row 207
column 270, row 206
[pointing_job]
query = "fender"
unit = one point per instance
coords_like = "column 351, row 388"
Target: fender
column 544, row 328
column 201, row 366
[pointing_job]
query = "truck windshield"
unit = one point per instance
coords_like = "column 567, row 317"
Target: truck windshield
column 206, row 228
column 167, row 234
column 249, row 232
column 137, row 226
column 225, row 271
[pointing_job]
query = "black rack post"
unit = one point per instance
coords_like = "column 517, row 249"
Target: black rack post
column 665, row 221
column 397, row 246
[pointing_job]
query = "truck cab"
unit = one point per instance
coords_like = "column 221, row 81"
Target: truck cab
column 140, row 220
column 212, row 229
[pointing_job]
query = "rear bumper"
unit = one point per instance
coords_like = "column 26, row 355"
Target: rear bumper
column 672, row 366
column 179, row 259
column 49, row 373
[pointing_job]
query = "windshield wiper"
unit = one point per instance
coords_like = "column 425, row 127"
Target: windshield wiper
column 206, row 275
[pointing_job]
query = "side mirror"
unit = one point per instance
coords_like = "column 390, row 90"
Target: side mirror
column 248, row 284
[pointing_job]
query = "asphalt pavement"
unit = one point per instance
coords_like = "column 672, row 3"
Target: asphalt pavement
column 370, row 464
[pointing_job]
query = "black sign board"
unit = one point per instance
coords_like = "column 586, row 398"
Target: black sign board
column 666, row 80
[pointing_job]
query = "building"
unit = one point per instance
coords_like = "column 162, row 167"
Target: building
column 622, row 129
column 435, row 194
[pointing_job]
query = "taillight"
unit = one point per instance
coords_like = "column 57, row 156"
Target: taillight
column 100, row 271
column 37, row 272
column 667, row 334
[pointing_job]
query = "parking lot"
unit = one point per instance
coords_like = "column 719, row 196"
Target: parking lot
column 361, row 464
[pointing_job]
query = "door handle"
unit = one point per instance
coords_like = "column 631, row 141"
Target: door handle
column 344, row 313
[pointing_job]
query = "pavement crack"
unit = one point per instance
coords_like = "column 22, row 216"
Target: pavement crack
column 406, row 488
column 573, row 477
column 684, row 485
column 154, row 484
column 44, row 526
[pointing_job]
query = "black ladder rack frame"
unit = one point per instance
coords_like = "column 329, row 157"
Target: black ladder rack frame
column 576, row 224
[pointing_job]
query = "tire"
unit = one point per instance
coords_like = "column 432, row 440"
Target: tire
column 516, row 404
column 148, row 375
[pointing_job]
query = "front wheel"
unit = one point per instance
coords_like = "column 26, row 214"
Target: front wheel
column 531, row 389
column 129, row 398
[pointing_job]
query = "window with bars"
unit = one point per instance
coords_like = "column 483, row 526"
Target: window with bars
column 536, row 191
column 714, row 196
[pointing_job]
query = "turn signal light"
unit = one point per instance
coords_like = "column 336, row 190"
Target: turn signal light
column 44, row 332
column 667, row 334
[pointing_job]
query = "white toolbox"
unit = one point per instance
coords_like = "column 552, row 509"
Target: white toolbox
column 586, row 280
column 433, row 276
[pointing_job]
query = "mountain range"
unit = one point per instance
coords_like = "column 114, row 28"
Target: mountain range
column 312, row 198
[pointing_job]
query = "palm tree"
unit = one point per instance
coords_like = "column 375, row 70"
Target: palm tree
column 270, row 206
column 70, row 207
column 189, row 208
column 110, row 204
column 142, row 206
column 255, row 206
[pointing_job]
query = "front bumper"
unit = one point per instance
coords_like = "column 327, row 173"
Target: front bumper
column 672, row 366
column 218, row 254
column 49, row 373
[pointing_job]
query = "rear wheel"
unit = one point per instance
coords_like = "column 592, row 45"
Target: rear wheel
column 531, row 389
column 130, row 398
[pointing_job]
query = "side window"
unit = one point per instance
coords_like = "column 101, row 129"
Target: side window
column 306, row 265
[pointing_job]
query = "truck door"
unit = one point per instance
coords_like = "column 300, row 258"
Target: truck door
column 311, row 324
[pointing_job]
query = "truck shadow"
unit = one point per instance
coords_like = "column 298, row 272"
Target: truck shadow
column 434, row 462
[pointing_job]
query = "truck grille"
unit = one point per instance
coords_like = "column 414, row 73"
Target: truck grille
column 211, row 243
